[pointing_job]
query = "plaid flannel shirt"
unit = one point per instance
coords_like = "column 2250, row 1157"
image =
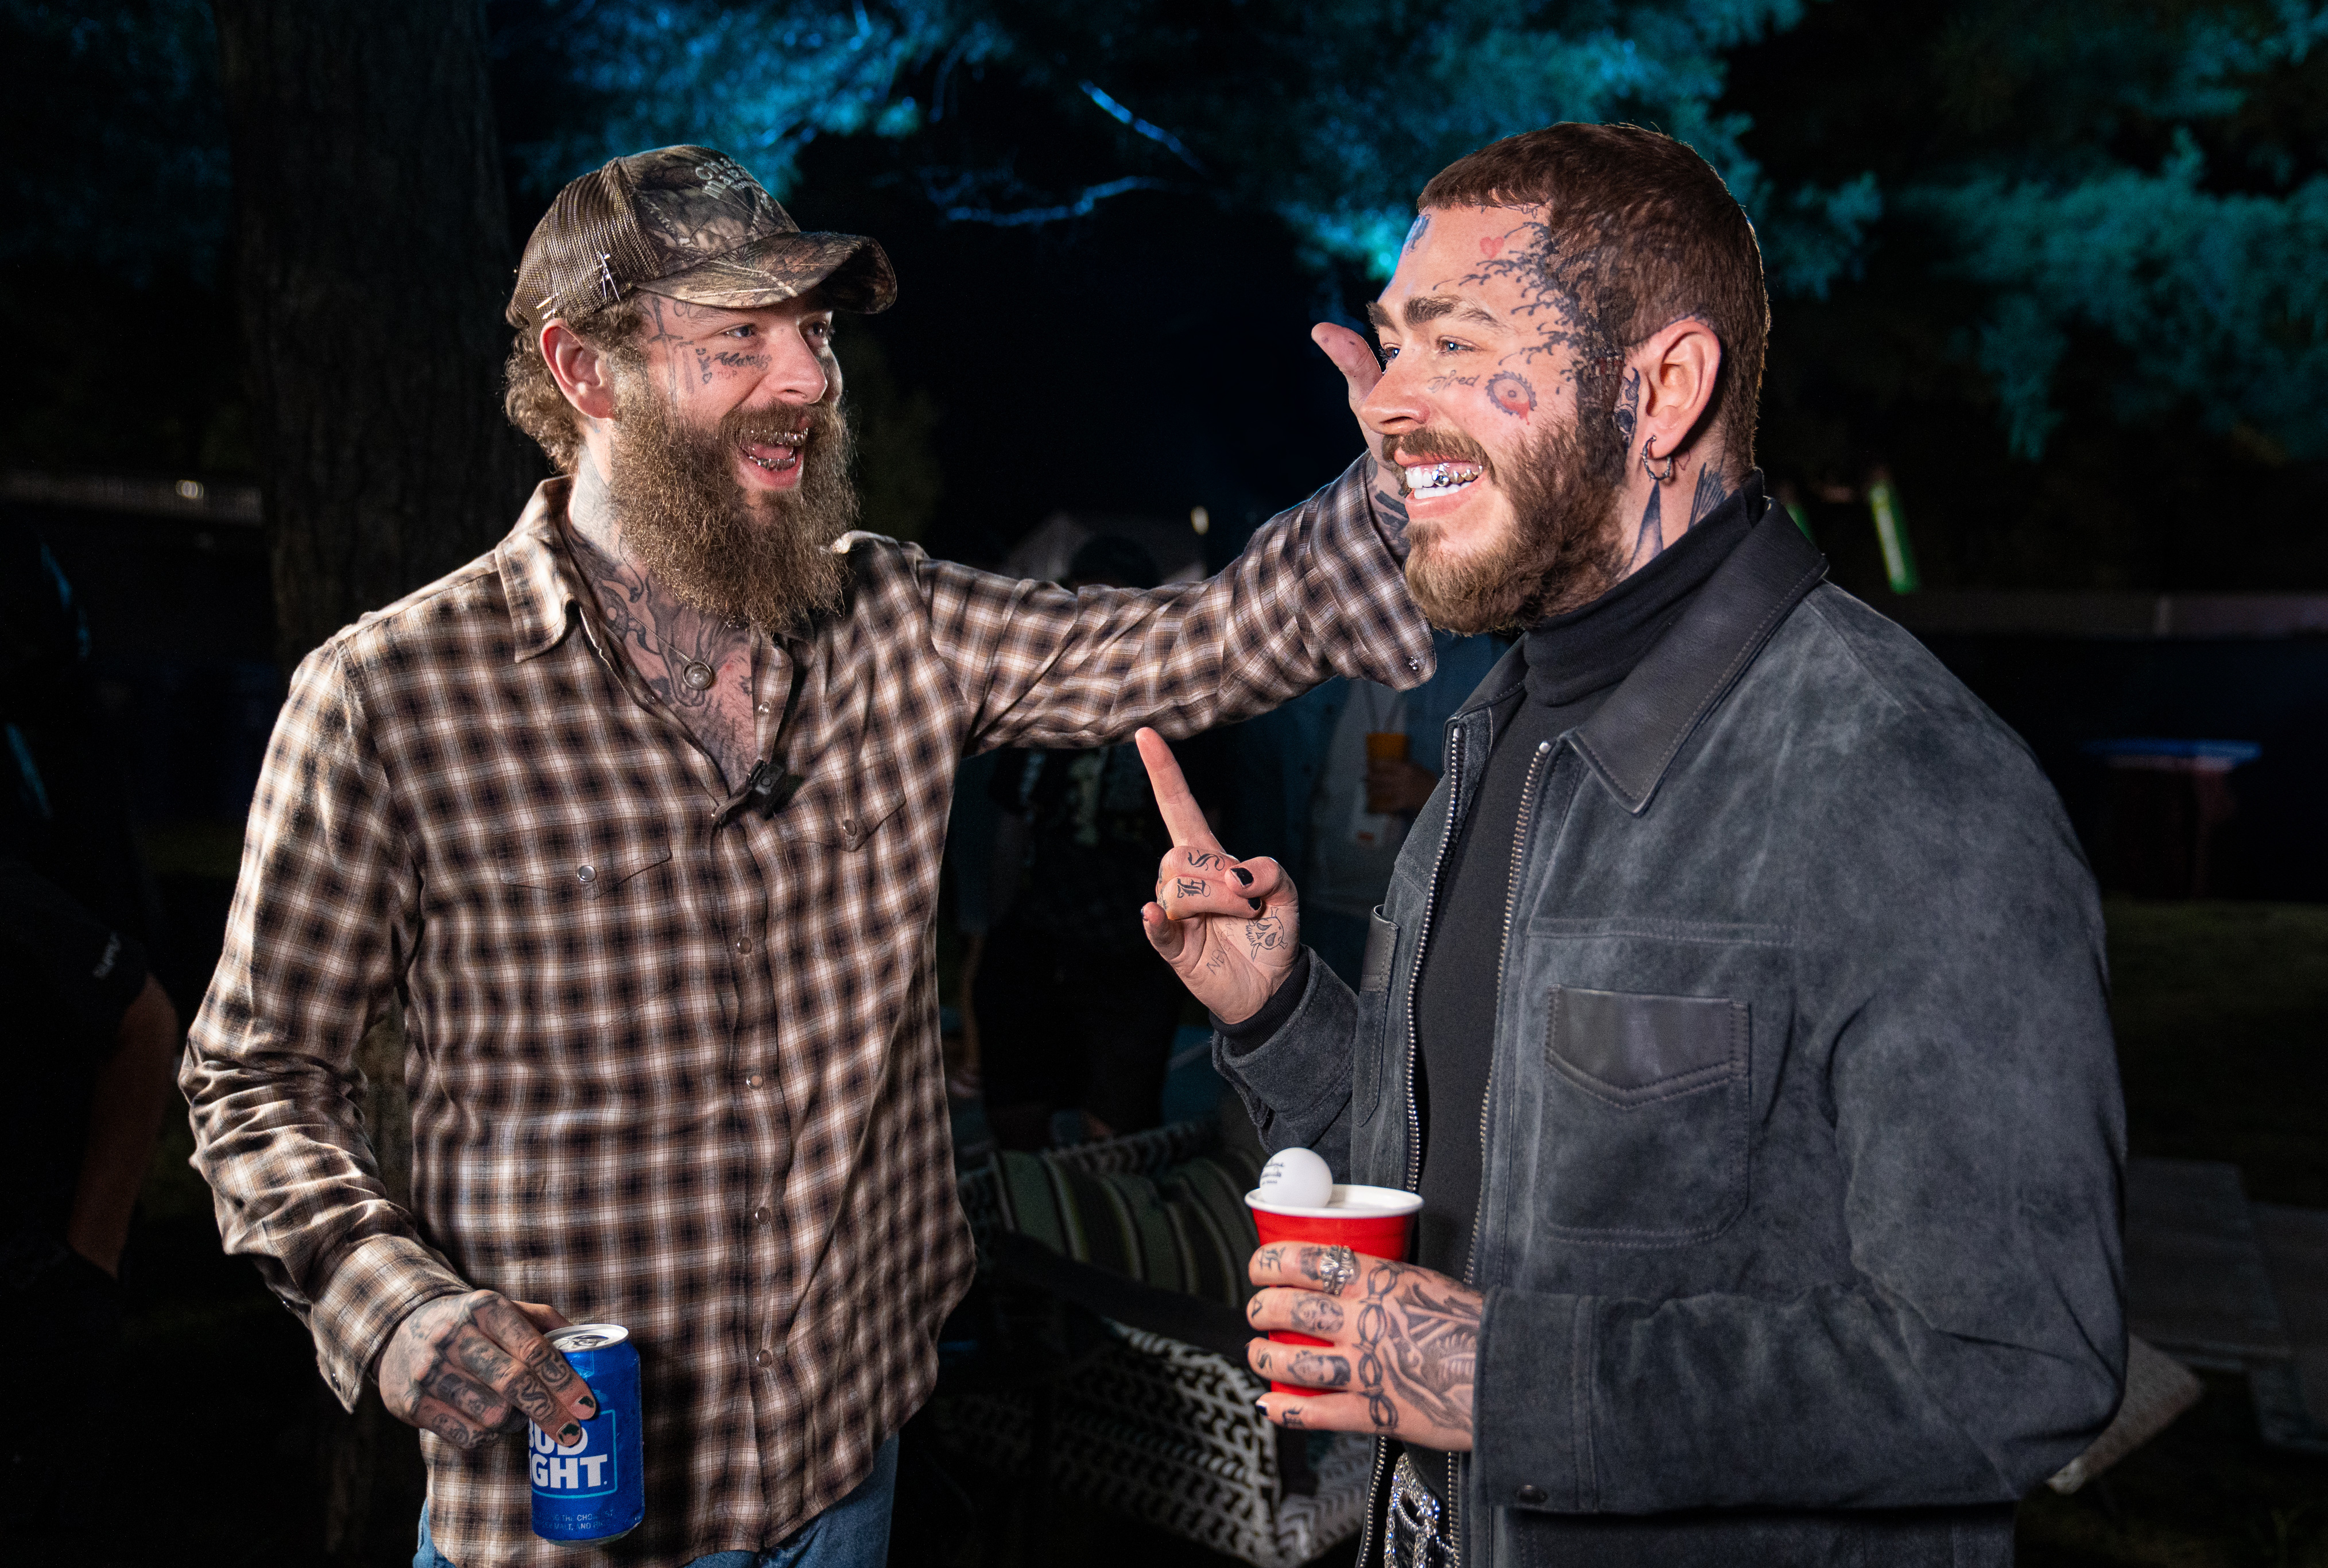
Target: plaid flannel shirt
column 674, row 1061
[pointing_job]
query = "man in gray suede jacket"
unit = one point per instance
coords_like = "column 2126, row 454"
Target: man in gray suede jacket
column 1738, row 1005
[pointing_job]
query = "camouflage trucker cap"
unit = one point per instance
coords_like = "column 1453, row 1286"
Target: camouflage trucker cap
column 688, row 223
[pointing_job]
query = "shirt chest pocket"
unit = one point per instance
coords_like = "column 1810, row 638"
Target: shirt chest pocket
column 583, row 867
column 1636, row 1099
column 843, row 803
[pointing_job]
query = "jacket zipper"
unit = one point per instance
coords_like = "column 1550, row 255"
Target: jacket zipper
column 1414, row 1118
column 1480, row 1214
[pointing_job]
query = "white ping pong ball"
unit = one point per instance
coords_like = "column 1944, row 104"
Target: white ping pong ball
column 1298, row 1179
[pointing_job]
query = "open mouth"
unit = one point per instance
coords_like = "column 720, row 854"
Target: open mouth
column 780, row 452
column 1428, row 481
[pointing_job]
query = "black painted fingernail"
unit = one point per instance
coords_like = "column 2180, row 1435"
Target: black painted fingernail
column 589, row 1406
column 569, row 1433
column 1256, row 905
column 1242, row 874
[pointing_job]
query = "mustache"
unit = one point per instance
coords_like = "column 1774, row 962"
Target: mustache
column 1429, row 445
column 779, row 427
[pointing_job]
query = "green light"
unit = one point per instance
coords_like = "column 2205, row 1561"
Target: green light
column 1892, row 532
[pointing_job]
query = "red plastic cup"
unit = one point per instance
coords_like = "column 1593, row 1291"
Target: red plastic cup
column 1371, row 1222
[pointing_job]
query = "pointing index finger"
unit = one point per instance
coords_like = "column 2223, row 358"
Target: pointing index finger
column 1182, row 816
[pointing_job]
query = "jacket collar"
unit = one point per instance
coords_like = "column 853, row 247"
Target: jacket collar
column 539, row 579
column 1634, row 736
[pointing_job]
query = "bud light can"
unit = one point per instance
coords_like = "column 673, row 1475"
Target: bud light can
column 597, row 1490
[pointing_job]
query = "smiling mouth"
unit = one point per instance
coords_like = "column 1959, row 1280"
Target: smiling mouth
column 780, row 452
column 1430, row 480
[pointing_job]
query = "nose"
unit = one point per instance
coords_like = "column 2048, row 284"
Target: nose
column 1397, row 403
column 796, row 372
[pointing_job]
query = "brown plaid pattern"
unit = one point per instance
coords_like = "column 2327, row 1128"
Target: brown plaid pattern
column 674, row 1064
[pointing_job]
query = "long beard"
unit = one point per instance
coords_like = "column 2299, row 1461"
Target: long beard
column 1563, row 550
column 764, row 555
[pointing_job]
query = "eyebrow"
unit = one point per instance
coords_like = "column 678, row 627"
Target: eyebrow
column 1424, row 308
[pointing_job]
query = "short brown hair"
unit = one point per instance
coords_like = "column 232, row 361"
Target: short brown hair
column 1642, row 232
column 531, row 396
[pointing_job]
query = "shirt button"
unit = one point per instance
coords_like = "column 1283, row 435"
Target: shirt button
column 743, row 944
column 1531, row 1493
column 760, row 1215
column 763, row 1358
column 586, row 874
column 751, row 1080
column 767, row 707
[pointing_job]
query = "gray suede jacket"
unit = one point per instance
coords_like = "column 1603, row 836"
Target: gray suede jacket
column 1800, row 1226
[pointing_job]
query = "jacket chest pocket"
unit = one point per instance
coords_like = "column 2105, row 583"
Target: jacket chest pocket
column 1651, row 1094
column 1634, row 1110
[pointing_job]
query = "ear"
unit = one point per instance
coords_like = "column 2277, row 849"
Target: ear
column 1679, row 364
column 582, row 372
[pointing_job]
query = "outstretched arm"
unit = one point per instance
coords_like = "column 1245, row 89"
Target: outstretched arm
column 1320, row 590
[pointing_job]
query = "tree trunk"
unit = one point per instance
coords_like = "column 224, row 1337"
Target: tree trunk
column 373, row 262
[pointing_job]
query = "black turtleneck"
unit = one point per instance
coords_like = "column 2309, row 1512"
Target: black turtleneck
column 1573, row 662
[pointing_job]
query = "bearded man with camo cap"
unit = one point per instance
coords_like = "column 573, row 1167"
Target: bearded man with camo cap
column 637, row 819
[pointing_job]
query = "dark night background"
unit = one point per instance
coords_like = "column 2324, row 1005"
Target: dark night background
column 2053, row 268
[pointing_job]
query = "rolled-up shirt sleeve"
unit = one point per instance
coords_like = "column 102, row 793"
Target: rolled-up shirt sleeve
column 324, row 916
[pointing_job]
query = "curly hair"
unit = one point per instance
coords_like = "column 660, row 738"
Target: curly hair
column 531, row 396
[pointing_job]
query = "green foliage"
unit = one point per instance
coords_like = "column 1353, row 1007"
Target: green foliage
column 2154, row 172
column 2219, row 296
column 760, row 81
column 1328, row 117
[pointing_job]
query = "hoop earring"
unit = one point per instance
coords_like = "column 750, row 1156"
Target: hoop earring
column 1665, row 478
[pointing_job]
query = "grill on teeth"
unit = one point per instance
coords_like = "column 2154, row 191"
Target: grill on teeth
column 1440, row 477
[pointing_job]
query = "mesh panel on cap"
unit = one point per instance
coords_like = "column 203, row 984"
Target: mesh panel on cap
column 586, row 253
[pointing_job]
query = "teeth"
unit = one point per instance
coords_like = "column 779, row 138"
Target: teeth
column 1426, row 481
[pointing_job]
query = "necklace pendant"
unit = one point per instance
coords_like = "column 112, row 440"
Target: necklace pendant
column 698, row 675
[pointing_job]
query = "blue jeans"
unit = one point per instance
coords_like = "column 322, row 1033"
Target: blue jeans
column 854, row 1533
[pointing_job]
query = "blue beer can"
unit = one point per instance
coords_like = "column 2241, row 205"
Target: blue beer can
column 597, row 1490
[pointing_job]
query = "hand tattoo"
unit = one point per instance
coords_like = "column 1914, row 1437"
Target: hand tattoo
column 1265, row 935
column 1421, row 1346
column 1315, row 1369
column 1314, row 1314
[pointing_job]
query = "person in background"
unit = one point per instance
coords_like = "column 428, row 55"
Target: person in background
column 1305, row 792
column 1075, row 1012
column 92, row 1038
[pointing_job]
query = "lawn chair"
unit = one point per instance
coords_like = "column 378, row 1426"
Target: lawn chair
column 1148, row 1234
